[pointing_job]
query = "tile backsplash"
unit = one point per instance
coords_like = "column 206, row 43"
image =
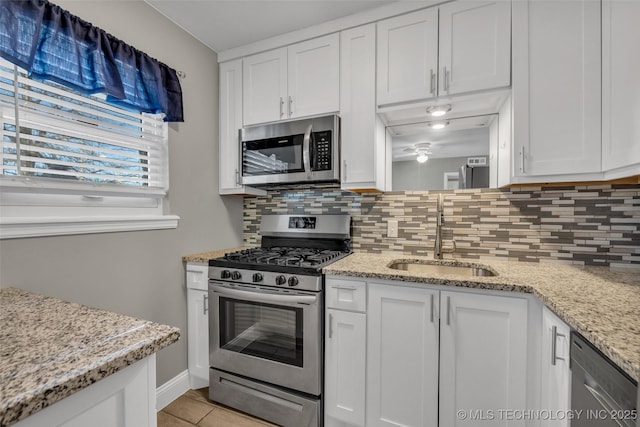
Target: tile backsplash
column 590, row 225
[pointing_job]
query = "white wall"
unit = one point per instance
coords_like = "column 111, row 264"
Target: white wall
column 141, row 273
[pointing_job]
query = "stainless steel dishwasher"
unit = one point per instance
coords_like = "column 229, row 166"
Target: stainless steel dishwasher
column 601, row 394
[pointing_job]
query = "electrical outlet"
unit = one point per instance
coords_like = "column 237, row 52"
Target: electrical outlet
column 392, row 228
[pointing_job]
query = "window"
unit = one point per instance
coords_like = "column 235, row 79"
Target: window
column 75, row 160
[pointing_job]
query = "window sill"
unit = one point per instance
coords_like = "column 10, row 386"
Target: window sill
column 15, row 228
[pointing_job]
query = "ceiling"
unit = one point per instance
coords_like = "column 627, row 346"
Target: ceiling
column 225, row 24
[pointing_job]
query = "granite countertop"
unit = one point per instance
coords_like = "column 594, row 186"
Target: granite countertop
column 601, row 304
column 204, row 257
column 50, row 348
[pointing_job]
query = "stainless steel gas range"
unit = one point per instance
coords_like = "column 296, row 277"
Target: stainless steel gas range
column 266, row 309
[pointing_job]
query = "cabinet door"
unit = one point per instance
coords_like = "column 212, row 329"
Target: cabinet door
column 483, row 356
column 402, row 356
column 556, row 95
column 362, row 146
column 314, row 77
column 264, row 84
column 556, row 375
column 229, row 174
column 475, row 46
column 198, row 336
column 345, row 355
column 620, row 91
column 230, row 124
column 408, row 57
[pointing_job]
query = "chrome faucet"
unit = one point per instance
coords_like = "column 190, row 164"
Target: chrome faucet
column 438, row 248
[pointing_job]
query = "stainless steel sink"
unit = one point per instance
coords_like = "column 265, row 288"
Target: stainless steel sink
column 461, row 270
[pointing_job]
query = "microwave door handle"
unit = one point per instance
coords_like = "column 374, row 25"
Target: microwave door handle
column 265, row 297
column 306, row 151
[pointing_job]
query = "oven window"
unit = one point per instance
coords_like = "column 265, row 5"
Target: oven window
column 272, row 156
column 267, row 331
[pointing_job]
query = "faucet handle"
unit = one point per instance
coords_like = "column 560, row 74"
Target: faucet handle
column 451, row 249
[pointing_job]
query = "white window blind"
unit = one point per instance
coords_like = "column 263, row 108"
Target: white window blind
column 61, row 135
column 68, row 157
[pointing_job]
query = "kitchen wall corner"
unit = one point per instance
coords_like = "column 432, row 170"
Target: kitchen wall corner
column 141, row 273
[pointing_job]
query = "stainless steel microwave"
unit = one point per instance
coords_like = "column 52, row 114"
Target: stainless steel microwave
column 304, row 150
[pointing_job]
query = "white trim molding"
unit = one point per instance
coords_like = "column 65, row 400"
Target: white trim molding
column 15, row 228
column 172, row 389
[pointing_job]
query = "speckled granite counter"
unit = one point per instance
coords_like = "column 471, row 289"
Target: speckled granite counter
column 602, row 305
column 49, row 349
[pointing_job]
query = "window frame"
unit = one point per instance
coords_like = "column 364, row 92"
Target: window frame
column 37, row 206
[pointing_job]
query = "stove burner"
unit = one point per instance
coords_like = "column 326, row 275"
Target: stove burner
column 284, row 256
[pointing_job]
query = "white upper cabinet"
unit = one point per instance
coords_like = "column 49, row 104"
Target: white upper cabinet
column 314, row 77
column 475, row 44
column 297, row 81
column 621, row 87
column 408, row 57
column 470, row 51
column 363, row 148
column 264, row 83
column 229, row 174
column 556, row 90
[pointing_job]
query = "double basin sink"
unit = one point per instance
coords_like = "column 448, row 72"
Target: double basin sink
column 435, row 268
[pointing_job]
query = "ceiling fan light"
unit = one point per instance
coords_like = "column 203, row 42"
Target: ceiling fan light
column 422, row 157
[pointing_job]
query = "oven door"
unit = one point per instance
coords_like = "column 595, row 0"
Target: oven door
column 268, row 334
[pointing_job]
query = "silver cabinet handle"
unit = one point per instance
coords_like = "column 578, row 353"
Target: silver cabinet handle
column 290, row 106
column 205, row 306
column 237, row 177
column 330, row 325
column 281, row 107
column 348, row 288
column 445, row 78
column 344, row 170
column 448, row 310
column 432, row 315
column 432, row 81
column 554, row 339
column 522, row 160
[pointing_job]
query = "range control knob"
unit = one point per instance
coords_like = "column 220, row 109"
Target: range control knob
column 293, row 281
column 257, row 277
column 281, row 280
column 236, row 275
column 225, row 274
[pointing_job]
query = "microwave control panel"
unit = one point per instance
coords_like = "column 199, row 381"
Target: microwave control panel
column 321, row 151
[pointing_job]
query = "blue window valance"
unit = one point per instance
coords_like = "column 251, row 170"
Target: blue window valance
column 51, row 43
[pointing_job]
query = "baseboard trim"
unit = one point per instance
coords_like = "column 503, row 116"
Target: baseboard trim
column 172, row 389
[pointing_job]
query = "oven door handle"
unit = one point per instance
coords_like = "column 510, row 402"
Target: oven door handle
column 265, row 297
column 306, row 151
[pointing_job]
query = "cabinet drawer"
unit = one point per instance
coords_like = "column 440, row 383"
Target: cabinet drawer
column 347, row 295
column 197, row 276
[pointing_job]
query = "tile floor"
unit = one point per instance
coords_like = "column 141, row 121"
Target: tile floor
column 195, row 409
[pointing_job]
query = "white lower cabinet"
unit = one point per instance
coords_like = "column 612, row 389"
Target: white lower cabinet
column 483, row 358
column 197, row 325
column 402, row 356
column 345, row 353
column 345, row 373
column 555, row 387
column 433, row 357
column 124, row 399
